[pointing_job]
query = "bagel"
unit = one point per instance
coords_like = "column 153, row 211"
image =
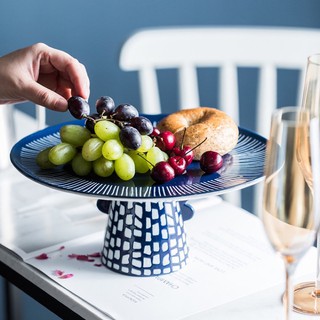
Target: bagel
column 200, row 123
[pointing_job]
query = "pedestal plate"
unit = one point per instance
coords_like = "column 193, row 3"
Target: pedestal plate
column 145, row 233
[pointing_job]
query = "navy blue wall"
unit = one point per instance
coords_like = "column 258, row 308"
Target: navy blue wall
column 93, row 31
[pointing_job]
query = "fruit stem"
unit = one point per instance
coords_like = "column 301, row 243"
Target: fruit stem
column 140, row 155
column 184, row 133
column 180, row 159
column 117, row 122
column 198, row 145
column 88, row 117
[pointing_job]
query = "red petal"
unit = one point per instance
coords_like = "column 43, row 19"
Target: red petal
column 42, row 256
column 58, row 273
column 84, row 258
column 81, row 257
column 95, row 255
column 66, row 276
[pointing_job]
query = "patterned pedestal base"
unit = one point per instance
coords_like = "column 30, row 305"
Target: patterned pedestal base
column 144, row 238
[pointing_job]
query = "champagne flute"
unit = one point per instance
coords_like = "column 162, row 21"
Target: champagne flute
column 291, row 195
column 307, row 294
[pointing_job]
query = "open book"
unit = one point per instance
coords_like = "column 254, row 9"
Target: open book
column 62, row 235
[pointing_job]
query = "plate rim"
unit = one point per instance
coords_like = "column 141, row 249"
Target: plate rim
column 15, row 154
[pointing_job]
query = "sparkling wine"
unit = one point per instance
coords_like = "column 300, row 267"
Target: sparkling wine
column 307, row 294
column 290, row 212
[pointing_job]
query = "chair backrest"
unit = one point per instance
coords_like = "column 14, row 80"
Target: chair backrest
column 228, row 49
column 14, row 125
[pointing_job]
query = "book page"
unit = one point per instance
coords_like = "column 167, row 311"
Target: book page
column 230, row 257
column 34, row 218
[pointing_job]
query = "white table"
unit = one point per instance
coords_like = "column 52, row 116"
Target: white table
column 263, row 305
column 66, row 304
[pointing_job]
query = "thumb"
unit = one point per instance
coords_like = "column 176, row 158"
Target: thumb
column 45, row 97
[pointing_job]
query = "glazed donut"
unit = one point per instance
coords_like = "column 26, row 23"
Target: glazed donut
column 200, row 123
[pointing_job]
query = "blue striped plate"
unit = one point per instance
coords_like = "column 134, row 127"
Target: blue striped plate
column 243, row 167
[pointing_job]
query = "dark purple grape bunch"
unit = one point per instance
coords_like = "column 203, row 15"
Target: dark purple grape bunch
column 134, row 126
column 104, row 108
column 125, row 115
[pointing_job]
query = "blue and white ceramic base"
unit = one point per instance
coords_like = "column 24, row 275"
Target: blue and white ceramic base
column 144, row 238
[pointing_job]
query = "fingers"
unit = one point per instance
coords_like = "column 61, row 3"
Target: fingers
column 45, row 97
column 73, row 70
column 71, row 78
column 79, row 79
column 43, row 75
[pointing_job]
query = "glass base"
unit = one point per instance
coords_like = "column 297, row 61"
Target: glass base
column 305, row 299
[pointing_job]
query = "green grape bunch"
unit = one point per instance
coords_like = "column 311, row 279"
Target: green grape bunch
column 112, row 140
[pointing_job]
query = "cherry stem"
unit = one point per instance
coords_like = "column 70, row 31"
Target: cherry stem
column 184, row 133
column 179, row 160
column 197, row 145
column 140, row 155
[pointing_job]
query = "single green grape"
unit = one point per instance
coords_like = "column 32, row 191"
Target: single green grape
column 42, row 159
column 92, row 149
column 154, row 155
column 103, row 167
column 106, row 130
column 62, row 153
column 74, row 134
column 80, row 166
column 146, row 144
column 165, row 156
column 140, row 162
column 112, row 149
column 124, row 167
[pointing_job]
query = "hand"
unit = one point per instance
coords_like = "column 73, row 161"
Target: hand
column 43, row 75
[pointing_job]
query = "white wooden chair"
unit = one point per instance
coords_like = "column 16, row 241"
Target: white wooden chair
column 14, row 125
column 227, row 48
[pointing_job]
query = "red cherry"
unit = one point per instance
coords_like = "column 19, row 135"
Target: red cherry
column 186, row 152
column 176, row 151
column 178, row 164
column 166, row 140
column 162, row 172
column 211, row 161
column 155, row 132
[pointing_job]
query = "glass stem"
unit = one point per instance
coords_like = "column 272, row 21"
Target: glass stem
column 317, row 282
column 288, row 301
